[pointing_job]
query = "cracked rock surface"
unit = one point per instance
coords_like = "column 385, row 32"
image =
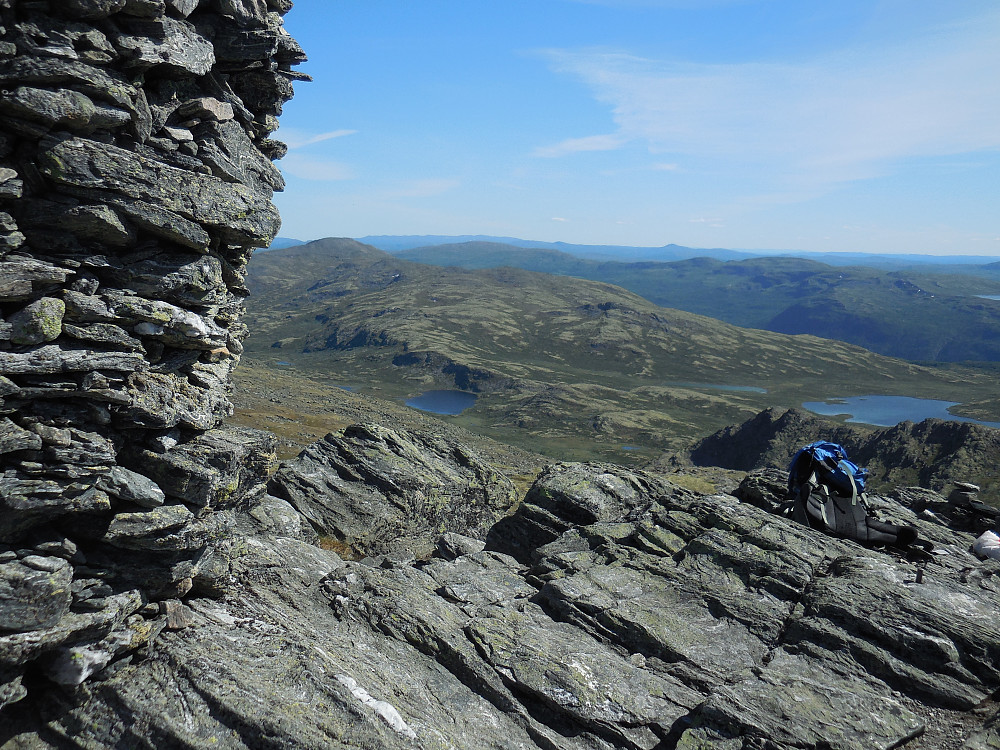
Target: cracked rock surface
column 380, row 490
column 640, row 615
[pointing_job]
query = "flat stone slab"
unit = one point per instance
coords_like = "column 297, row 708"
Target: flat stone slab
column 238, row 214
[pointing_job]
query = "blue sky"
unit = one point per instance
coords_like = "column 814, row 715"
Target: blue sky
column 820, row 125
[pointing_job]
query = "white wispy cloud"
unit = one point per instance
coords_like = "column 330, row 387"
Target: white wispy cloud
column 315, row 168
column 424, row 188
column 576, row 145
column 294, row 138
column 559, row 218
column 707, row 221
column 837, row 118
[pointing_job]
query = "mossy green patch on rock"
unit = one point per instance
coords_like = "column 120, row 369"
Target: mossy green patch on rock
column 37, row 323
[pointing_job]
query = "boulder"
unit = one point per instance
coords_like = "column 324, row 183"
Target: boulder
column 568, row 494
column 451, row 545
column 167, row 44
column 29, row 501
column 90, row 222
column 37, row 323
column 13, row 438
column 67, row 109
column 22, row 278
column 132, row 486
column 217, row 469
column 34, row 592
column 377, row 490
column 92, row 170
column 765, row 488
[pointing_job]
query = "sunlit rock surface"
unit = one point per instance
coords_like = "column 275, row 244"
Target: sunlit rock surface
column 378, row 490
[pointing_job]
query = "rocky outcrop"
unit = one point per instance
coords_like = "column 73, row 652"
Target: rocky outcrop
column 771, row 439
column 613, row 610
column 376, row 491
column 934, row 453
column 136, row 178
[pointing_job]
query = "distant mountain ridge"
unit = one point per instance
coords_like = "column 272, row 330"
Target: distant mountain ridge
column 672, row 252
column 920, row 314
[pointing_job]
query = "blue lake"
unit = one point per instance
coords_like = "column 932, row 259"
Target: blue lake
column 443, row 402
column 886, row 411
column 717, row 387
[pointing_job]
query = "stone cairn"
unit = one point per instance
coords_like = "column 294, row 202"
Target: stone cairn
column 136, row 179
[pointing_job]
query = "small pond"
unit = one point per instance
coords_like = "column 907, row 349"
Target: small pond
column 443, row 402
column 717, row 387
column 886, row 411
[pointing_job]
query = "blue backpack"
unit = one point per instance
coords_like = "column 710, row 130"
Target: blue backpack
column 825, row 493
column 830, row 461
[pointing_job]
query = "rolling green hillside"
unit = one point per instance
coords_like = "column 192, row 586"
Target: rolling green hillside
column 919, row 316
column 564, row 366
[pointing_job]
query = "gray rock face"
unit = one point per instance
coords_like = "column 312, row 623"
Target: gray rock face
column 37, row 323
column 34, row 592
column 89, row 169
column 647, row 616
column 378, row 490
column 135, row 180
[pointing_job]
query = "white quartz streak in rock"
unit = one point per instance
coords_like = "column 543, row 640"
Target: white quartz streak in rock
column 385, row 710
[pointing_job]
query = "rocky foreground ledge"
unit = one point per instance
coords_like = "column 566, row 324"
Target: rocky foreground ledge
column 613, row 609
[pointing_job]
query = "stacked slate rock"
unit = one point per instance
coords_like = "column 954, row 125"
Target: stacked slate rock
column 136, row 178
